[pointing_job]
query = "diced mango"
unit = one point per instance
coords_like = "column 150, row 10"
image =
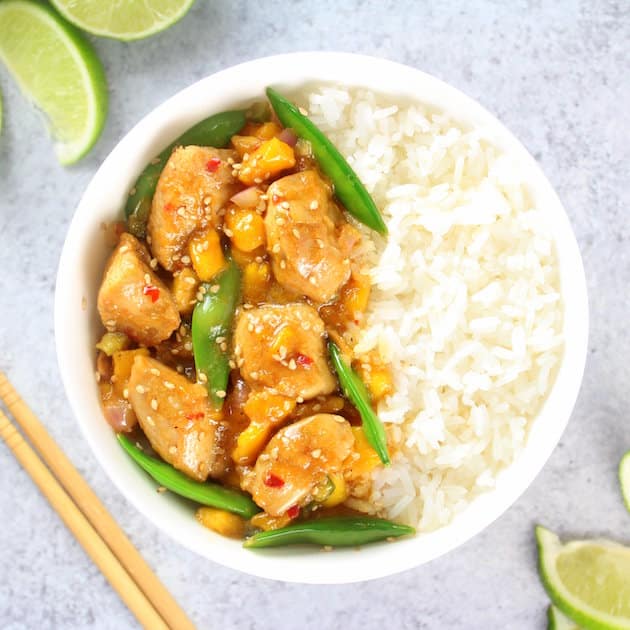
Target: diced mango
column 355, row 296
column 251, row 442
column 246, row 228
column 268, row 130
column 113, row 342
column 368, row 458
column 255, row 282
column 339, row 493
column 264, row 521
column 380, row 383
column 123, row 362
column 265, row 411
column 245, row 144
column 221, row 521
column 206, row 254
column 263, row 131
column 269, row 159
column 184, row 289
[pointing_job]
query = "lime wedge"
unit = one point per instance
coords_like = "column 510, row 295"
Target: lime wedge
column 589, row 581
column 57, row 70
column 125, row 19
column 558, row 621
column 624, row 478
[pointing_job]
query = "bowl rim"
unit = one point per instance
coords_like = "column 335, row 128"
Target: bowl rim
column 146, row 138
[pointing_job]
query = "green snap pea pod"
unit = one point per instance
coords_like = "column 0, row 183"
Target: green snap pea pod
column 214, row 131
column 337, row 531
column 211, row 325
column 355, row 390
column 348, row 187
column 208, row 493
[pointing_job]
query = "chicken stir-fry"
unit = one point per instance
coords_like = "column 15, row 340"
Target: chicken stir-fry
column 241, row 391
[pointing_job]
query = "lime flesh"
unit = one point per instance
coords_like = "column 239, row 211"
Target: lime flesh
column 589, row 581
column 123, row 19
column 58, row 71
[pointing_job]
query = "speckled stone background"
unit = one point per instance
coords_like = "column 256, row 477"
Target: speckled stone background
column 558, row 74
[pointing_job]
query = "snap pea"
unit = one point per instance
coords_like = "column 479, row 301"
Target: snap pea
column 357, row 393
column 214, row 131
column 211, row 324
column 348, row 187
column 334, row 531
column 211, row 494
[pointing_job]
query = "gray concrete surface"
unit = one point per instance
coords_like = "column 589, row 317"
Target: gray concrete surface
column 557, row 73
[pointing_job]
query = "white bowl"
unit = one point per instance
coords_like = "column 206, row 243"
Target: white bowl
column 77, row 327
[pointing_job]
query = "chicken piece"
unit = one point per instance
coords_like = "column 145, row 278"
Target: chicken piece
column 132, row 299
column 176, row 418
column 282, row 347
column 193, row 188
column 298, row 460
column 310, row 251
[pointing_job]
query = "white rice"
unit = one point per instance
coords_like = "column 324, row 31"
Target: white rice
column 465, row 302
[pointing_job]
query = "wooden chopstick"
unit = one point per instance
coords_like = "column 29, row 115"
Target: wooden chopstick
column 76, row 522
column 94, row 510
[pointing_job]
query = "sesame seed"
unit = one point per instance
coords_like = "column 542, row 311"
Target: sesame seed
column 149, row 239
column 98, row 377
column 113, row 378
column 155, row 371
column 300, row 399
column 161, row 490
column 316, row 453
column 172, row 450
column 150, row 421
column 327, row 548
column 169, row 385
column 276, row 248
column 153, row 263
column 314, row 205
column 207, row 201
column 253, row 376
column 202, row 378
column 302, row 111
column 223, row 347
column 154, row 404
column 125, row 393
column 317, row 407
column 140, row 389
column 190, row 280
column 279, row 221
column 258, row 180
column 181, row 212
column 292, row 364
column 214, row 288
column 147, row 278
column 312, row 280
column 186, row 260
column 220, row 393
column 188, row 346
column 296, row 232
column 283, row 264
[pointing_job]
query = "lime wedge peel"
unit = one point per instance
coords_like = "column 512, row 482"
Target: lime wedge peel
column 125, row 20
column 58, row 71
column 558, row 621
column 597, row 571
column 624, row 479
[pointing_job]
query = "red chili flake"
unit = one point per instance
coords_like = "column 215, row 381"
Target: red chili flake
column 195, row 416
column 169, row 207
column 276, row 198
column 303, row 360
column 293, row 511
column 152, row 292
column 213, row 164
column 273, row 481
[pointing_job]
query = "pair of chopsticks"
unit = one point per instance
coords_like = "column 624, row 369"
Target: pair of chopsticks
column 86, row 517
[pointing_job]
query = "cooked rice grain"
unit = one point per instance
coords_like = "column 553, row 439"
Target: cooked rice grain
column 465, row 301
